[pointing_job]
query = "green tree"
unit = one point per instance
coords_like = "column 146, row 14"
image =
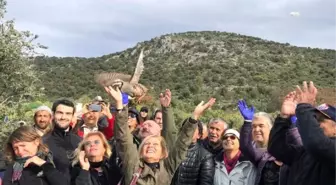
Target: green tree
column 18, row 81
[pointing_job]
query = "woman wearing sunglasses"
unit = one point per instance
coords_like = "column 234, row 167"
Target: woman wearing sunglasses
column 90, row 162
column 153, row 164
column 231, row 166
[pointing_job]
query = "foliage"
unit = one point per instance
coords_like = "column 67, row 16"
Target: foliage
column 194, row 65
column 18, row 80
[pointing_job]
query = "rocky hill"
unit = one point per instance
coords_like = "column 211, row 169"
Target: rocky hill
column 196, row 65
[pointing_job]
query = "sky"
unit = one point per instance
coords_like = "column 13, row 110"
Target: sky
column 92, row 28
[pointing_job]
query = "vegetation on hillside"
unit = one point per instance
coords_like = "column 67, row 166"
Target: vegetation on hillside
column 194, row 65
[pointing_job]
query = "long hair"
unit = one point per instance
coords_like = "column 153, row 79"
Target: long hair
column 23, row 134
column 108, row 150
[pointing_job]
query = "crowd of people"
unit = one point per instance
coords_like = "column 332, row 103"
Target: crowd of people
column 119, row 145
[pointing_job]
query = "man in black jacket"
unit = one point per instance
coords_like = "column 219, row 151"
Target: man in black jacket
column 198, row 168
column 314, row 162
column 61, row 141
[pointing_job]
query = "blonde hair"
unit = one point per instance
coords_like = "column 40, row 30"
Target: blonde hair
column 23, row 134
column 108, row 150
column 162, row 142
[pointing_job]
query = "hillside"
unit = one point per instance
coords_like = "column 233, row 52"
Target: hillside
column 196, row 65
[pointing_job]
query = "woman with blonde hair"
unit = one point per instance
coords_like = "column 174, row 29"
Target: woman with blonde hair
column 32, row 161
column 90, row 161
column 154, row 164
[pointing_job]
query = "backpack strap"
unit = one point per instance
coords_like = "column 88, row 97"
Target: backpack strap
column 134, row 179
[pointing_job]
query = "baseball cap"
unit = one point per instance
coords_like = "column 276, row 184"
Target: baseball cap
column 98, row 98
column 134, row 112
column 144, row 109
column 232, row 132
column 328, row 111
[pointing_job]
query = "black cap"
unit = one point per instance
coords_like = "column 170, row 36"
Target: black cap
column 144, row 109
column 134, row 111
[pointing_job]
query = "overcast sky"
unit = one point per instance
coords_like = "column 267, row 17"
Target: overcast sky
column 96, row 27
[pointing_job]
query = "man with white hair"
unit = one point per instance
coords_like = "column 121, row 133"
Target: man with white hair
column 213, row 142
column 42, row 119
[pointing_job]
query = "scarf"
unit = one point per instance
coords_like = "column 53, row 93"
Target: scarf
column 231, row 163
column 20, row 161
column 96, row 164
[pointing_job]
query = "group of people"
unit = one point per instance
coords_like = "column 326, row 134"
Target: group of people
column 121, row 146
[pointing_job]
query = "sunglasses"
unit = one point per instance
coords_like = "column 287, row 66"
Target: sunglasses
column 89, row 143
column 232, row 137
column 132, row 115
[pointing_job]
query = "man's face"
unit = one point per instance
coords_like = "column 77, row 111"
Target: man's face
column 91, row 118
column 63, row 116
column 158, row 118
column 260, row 129
column 216, row 130
column 327, row 125
column 42, row 119
column 148, row 128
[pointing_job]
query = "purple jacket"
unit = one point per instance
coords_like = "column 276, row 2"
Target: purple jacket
column 259, row 156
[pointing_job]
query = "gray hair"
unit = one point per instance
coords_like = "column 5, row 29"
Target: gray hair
column 265, row 115
column 214, row 120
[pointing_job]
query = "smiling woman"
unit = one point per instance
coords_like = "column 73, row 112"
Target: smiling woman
column 32, row 161
column 90, row 161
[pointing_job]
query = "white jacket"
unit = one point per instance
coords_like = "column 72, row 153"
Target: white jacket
column 244, row 172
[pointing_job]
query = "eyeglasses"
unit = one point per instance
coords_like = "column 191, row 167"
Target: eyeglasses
column 232, row 137
column 132, row 115
column 89, row 143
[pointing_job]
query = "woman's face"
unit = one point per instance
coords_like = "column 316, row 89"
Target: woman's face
column 152, row 150
column 94, row 147
column 25, row 149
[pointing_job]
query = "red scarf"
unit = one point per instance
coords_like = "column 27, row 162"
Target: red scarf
column 231, row 163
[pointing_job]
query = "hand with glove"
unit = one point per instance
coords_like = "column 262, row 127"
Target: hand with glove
column 245, row 111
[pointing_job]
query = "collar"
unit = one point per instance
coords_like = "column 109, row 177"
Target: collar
column 147, row 170
column 61, row 132
column 39, row 131
column 210, row 148
column 95, row 128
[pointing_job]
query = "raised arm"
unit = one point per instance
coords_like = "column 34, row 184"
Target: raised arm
column 278, row 145
column 184, row 139
column 168, row 128
column 314, row 140
column 124, row 139
column 252, row 153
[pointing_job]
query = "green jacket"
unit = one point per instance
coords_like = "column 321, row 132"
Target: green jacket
column 131, row 158
column 168, row 127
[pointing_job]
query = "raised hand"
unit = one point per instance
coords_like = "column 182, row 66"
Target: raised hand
column 165, row 98
column 84, row 162
column 306, row 94
column 288, row 105
column 35, row 160
column 116, row 95
column 200, row 108
column 106, row 110
column 245, row 111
